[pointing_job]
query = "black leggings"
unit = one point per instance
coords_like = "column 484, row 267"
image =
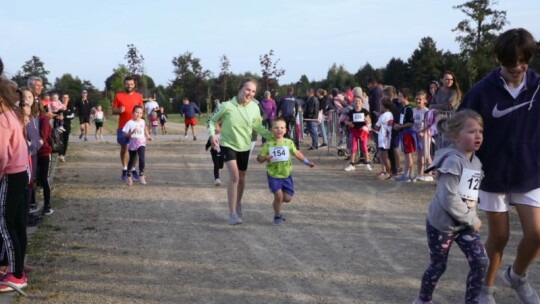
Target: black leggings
column 217, row 159
column 13, row 219
column 43, row 171
column 132, row 155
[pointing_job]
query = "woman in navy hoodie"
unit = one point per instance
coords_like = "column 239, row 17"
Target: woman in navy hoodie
column 508, row 99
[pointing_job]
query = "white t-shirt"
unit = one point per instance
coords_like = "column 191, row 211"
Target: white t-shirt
column 150, row 106
column 385, row 124
column 419, row 116
column 138, row 138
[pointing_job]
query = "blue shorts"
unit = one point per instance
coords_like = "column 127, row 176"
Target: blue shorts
column 284, row 184
column 120, row 138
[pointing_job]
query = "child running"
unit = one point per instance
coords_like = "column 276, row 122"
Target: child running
column 99, row 118
column 217, row 158
column 452, row 212
column 137, row 132
column 154, row 124
column 277, row 153
column 162, row 120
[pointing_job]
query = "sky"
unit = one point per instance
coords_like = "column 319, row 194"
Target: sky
column 89, row 39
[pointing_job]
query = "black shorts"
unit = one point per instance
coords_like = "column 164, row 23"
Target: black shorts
column 99, row 124
column 242, row 158
column 84, row 119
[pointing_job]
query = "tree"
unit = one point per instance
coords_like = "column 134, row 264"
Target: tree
column 135, row 60
column 190, row 79
column 270, row 71
column 396, row 73
column 424, row 64
column 223, row 77
column 478, row 34
column 364, row 73
column 115, row 82
column 339, row 77
column 32, row 67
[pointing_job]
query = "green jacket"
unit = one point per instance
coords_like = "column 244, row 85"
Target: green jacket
column 237, row 124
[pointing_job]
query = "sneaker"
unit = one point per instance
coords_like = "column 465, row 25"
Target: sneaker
column 350, row 167
column 194, row 137
column 428, row 178
column 61, row 158
column 403, row 178
column 368, row 167
column 524, row 291
column 33, row 208
column 129, row 181
column 12, row 280
column 311, row 148
column 123, row 177
column 323, row 145
column 278, row 220
column 48, row 211
column 142, row 179
column 217, row 182
column 487, row 295
column 135, row 175
column 234, row 219
column 85, row 138
column 80, row 136
column 418, row 301
column 185, row 136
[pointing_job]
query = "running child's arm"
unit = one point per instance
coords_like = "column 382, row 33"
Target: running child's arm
column 147, row 134
column 303, row 159
column 265, row 158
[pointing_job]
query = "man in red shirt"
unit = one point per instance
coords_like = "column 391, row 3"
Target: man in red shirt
column 123, row 105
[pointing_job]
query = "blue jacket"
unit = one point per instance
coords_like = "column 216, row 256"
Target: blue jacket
column 190, row 109
column 510, row 153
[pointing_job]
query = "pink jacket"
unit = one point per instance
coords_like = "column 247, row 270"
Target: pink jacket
column 13, row 147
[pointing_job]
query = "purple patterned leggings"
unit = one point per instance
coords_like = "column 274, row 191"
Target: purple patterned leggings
column 439, row 244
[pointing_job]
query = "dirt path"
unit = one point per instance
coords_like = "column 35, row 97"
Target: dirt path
column 348, row 237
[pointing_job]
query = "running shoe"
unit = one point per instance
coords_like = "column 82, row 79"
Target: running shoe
column 487, row 295
column 403, row 178
column 323, row 145
column 524, row 291
column 129, row 181
column 217, row 182
column 234, row 219
column 368, row 167
column 194, row 137
column 123, row 177
column 350, row 167
column 135, row 175
column 62, row 158
column 48, row 211
column 80, row 136
column 278, row 220
column 10, row 278
column 142, row 179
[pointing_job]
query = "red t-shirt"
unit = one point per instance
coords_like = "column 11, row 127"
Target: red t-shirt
column 128, row 101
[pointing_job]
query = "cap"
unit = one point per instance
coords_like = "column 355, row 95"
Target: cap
column 83, row 91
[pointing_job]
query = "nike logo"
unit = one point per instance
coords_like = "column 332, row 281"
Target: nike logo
column 500, row 113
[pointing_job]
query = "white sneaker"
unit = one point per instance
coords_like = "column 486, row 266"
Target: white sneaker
column 368, row 167
column 523, row 289
column 61, row 158
column 428, row 178
column 217, row 182
column 185, row 136
column 234, row 219
column 350, row 167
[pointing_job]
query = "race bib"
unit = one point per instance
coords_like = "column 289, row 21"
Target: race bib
column 358, row 117
column 279, row 154
column 469, row 184
column 139, row 133
column 401, row 118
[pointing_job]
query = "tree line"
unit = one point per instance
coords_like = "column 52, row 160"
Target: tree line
column 475, row 35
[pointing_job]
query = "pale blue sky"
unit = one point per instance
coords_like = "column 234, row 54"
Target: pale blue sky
column 89, row 38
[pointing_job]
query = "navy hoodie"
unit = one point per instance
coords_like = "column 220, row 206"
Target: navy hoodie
column 510, row 153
